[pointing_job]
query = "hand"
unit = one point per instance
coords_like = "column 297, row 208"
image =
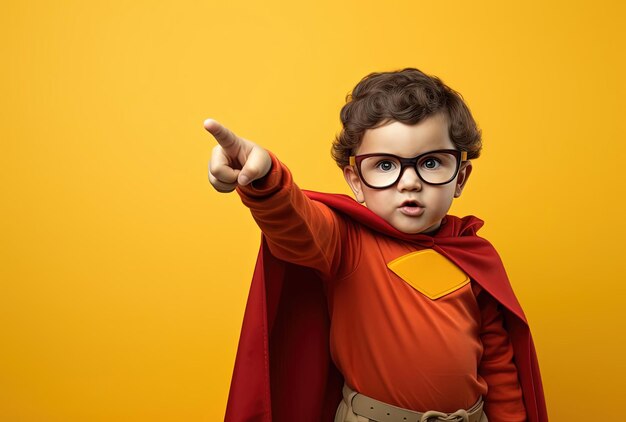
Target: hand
column 235, row 160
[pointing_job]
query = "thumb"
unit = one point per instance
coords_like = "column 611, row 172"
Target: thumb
column 257, row 165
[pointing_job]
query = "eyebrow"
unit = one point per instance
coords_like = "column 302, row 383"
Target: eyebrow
column 402, row 156
column 431, row 148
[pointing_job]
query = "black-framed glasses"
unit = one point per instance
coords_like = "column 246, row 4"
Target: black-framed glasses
column 379, row 171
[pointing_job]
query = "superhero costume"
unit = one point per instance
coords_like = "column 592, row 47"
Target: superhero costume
column 285, row 334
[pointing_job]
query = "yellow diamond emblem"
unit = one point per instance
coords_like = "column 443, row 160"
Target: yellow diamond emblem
column 429, row 272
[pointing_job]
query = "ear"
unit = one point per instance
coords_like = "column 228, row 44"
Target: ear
column 353, row 179
column 464, row 172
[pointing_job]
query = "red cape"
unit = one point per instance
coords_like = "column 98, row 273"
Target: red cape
column 283, row 369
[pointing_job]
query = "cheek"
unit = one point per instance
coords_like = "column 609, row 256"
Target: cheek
column 378, row 201
column 441, row 198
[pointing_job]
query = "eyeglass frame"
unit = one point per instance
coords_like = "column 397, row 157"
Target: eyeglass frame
column 355, row 161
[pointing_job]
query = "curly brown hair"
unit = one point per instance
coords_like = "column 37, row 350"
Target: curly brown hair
column 408, row 96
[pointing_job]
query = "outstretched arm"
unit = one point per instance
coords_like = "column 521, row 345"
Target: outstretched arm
column 297, row 229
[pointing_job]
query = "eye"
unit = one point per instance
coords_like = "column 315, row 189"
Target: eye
column 430, row 163
column 385, row 165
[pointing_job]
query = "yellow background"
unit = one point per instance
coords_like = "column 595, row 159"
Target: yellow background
column 124, row 275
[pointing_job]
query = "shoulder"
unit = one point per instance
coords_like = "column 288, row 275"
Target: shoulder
column 453, row 225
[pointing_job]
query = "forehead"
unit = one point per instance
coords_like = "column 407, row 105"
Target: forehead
column 408, row 140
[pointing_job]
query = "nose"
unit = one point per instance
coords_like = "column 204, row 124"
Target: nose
column 409, row 180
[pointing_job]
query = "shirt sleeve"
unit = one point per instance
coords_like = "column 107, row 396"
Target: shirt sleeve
column 504, row 401
column 298, row 229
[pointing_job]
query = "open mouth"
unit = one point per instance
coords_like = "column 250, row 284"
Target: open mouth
column 411, row 204
column 411, row 208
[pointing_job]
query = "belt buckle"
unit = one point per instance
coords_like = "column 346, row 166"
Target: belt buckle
column 458, row 416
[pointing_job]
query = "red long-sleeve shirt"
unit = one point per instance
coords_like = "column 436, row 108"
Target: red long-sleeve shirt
column 390, row 341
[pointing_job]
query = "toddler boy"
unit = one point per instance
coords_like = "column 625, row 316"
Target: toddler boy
column 392, row 312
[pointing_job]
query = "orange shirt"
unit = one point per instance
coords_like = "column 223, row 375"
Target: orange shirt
column 389, row 341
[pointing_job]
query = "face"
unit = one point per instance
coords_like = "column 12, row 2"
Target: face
column 411, row 205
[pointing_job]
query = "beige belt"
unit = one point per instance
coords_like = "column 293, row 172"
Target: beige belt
column 382, row 412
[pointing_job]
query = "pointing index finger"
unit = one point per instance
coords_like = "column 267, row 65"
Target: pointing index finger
column 227, row 139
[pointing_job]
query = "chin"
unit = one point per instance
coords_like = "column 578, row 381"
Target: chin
column 413, row 229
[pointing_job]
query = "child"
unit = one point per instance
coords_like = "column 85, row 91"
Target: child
column 394, row 312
